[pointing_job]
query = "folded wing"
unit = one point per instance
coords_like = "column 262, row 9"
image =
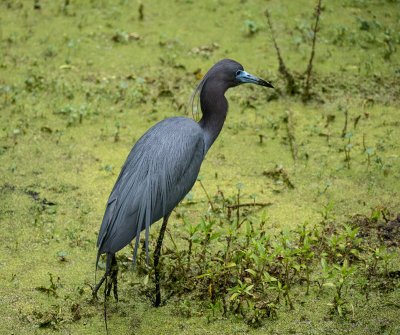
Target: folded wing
column 159, row 171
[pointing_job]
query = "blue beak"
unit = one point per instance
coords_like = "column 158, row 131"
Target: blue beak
column 244, row 77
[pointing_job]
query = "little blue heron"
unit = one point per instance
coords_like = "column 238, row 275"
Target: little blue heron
column 161, row 169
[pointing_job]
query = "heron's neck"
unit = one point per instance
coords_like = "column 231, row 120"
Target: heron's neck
column 214, row 107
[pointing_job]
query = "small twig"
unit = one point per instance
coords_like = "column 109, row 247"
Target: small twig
column 306, row 94
column 250, row 204
column 141, row 12
column 291, row 87
column 329, row 119
column 356, row 120
column 238, row 209
column 346, row 121
column 172, row 239
column 363, row 142
column 208, row 197
column 290, row 132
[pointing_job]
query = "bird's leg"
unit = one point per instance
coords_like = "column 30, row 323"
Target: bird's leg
column 157, row 254
column 97, row 287
column 113, row 274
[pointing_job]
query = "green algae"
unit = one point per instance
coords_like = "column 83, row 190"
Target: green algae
column 74, row 100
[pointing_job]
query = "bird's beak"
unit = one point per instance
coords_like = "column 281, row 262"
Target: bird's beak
column 244, row 77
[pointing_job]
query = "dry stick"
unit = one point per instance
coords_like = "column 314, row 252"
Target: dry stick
column 346, row 121
column 356, row 120
column 306, row 94
column 208, row 197
column 290, row 131
column 251, row 204
column 290, row 82
column 189, row 254
column 238, row 209
column 141, row 12
column 172, row 239
column 363, row 142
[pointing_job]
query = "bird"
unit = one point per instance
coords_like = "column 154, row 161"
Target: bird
column 161, row 169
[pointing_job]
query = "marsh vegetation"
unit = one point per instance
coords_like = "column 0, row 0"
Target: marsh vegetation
column 293, row 226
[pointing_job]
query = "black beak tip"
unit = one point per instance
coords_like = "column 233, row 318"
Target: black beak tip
column 267, row 84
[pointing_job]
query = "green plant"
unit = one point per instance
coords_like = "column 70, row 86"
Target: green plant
column 342, row 275
column 235, row 265
column 347, row 148
column 250, row 27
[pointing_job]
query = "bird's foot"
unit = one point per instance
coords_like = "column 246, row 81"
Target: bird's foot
column 111, row 284
column 97, row 287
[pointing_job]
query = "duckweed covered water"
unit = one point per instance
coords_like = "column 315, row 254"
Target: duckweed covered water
column 80, row 82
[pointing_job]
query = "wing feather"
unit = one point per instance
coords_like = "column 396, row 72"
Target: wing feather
column 159, row 171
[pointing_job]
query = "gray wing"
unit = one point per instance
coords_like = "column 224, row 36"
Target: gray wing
column 159, row 171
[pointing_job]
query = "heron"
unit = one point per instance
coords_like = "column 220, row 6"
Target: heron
column 161, row 169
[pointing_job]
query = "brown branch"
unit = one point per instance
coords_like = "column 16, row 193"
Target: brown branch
column 306, row 94
column 290, row 132
column 208, row 197
column 346, row 120
column 250, row 204
column 141, row 11
column 291, row 87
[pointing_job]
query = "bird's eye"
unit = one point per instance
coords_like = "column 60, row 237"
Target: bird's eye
column 238, row 72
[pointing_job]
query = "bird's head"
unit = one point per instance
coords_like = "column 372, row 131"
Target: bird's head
column 232, row 74
column 223, row 75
